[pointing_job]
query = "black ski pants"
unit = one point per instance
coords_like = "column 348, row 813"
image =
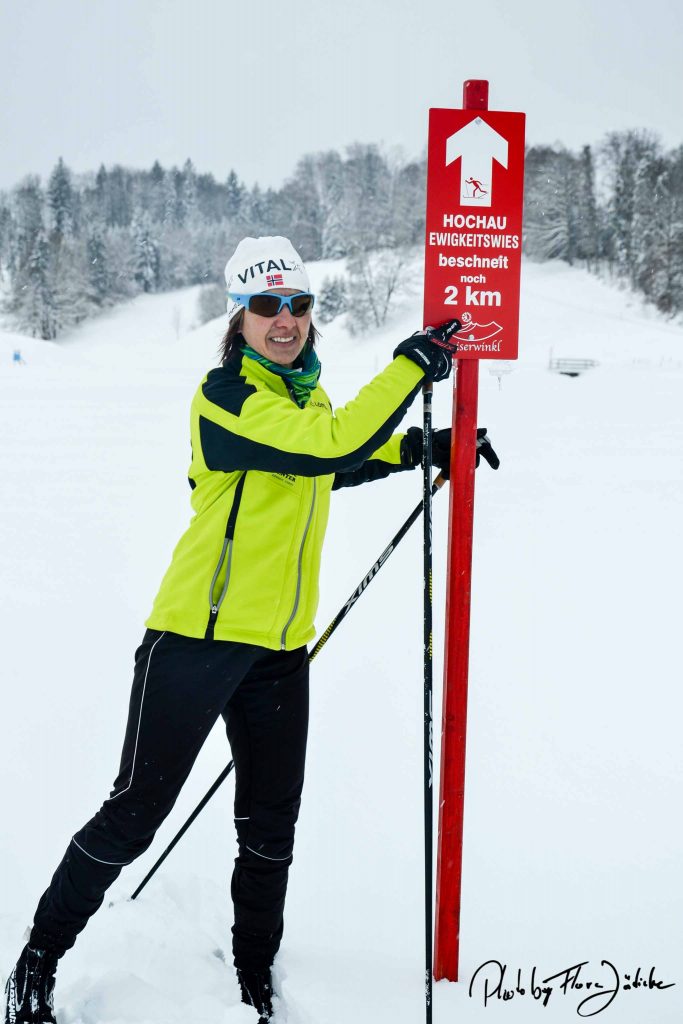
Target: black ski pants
column 180, row 687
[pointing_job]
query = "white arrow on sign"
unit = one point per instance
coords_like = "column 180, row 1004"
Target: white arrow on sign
column 478, row 144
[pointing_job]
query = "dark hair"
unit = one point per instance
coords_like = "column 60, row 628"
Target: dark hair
column 232, row 339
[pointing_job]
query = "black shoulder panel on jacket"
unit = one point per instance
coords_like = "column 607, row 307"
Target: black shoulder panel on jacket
column 226, row 389
column 216, row 447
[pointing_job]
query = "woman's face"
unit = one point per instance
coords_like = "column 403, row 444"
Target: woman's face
column 280, row 338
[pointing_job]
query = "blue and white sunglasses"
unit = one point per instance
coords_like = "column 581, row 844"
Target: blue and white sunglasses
column 268, row 304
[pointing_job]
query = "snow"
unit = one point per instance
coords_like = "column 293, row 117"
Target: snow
column 573, row 843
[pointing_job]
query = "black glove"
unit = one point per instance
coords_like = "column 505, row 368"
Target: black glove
column 485, row 449
column 411, row 449
column 432, row 349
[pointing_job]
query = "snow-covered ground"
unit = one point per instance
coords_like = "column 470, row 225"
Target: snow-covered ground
column 573, row 836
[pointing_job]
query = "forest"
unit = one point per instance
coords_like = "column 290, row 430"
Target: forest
column 81, row 243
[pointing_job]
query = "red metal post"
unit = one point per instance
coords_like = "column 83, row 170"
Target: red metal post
column 458, row 595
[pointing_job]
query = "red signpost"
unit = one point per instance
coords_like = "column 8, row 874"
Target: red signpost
column 475, row 188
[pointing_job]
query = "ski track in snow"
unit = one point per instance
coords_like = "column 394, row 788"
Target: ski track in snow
column 573, row 840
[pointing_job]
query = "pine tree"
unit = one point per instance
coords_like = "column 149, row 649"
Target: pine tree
column 234, row 196
column 551, row 216
column 119, row 199
column 146, row 255
column 658, row 229
column 101, row 188
column 68, row 279
column 408, row 202
column 256, row 206
column 170, row 198
column 98, row 275
column 33, row 299
column 331, row 300
column 60, row 198
column 157, row 173
column 588, row 242
column 366, row 205
column 157, row 204
column 187, row 195
column 332, row 230
column 625, row 154
column 28, row 207
column 304, row 206
column 673, row 183
column 121, row 258
column 6, row 234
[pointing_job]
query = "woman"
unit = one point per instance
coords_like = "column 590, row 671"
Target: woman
column 228, row 630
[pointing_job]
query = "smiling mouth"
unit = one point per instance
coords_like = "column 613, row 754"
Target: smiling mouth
column 282, row 341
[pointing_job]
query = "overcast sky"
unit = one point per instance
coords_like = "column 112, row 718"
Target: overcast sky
column 256, row 84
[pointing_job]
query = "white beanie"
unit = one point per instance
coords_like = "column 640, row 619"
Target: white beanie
column 259, row 264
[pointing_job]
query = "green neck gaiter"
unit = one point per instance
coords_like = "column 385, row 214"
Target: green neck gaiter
column 302, row 378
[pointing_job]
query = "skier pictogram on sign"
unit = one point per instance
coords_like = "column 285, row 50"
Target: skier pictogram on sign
column 476, row 187
column 477, row 145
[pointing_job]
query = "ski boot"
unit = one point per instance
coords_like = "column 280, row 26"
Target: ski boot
column 30, row 989
column 257, row 991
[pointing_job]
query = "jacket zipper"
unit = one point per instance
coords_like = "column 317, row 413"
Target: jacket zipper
column 298, row 574
column 226, row 552
column 215, row 605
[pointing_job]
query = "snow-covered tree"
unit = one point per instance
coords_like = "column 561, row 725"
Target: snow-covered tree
column 146, row 254
column 256, row 211
column 71, row 299
column 234, row 196
column 375, row 280
column 121, row 257
column 157, row 204
column 304, row 206
column 60, row 198
column 658, row 231
column 408, row 202
column 28, row 216
column 101, row 186
column 98, row 273
column 33, row 302
column 365, row 206
column 588, row 225
column 119, row 198
column 170, row 198
column 6, row 234
column 626, row 154
column 187, row 195
column 331, row 299
column 551, row 212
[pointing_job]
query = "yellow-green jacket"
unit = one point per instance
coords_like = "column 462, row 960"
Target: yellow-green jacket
column 246, row 569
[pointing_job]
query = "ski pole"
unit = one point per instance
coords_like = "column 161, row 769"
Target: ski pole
column 200, row 806
column 439, row 481
column 427, row 492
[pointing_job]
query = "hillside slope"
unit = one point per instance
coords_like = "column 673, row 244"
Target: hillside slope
column 572, row 842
